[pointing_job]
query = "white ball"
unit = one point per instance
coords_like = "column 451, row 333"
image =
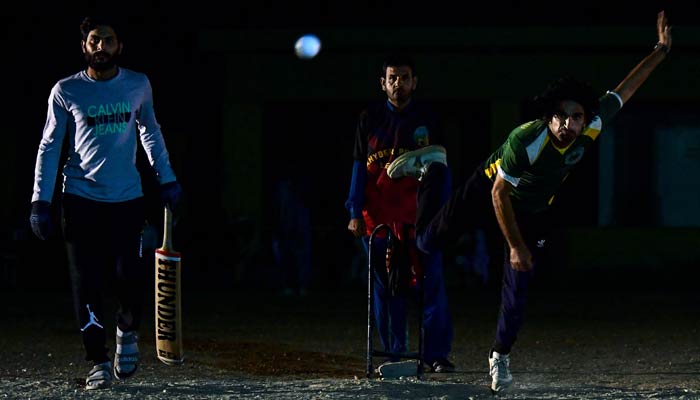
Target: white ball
column 307, row 46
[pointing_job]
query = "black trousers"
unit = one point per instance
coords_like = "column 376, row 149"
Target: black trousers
column 103, row 244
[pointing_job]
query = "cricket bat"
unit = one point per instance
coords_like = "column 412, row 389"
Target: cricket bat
column 168, row 317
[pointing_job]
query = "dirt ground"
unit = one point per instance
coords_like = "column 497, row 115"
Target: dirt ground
column 607, row 344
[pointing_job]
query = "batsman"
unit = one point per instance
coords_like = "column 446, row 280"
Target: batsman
column 100, row 115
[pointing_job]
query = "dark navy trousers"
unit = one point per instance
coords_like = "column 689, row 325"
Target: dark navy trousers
column 390, row 310
column 442, row 220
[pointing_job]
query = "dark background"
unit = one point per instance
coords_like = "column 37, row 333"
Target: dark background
column 238, row 110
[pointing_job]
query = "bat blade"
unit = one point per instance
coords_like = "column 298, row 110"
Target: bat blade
column 168, row 312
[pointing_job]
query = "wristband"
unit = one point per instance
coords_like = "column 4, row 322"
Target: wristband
column 662, row 47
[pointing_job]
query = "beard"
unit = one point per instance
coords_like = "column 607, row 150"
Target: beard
column 106, row 63
column 401, row 95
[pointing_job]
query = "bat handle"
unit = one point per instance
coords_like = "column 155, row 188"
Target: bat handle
column 167, row 228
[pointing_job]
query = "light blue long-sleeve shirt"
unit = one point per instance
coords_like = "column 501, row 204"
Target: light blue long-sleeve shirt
column 102, row 121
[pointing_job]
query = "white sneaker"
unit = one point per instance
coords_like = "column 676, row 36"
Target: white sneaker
column 415, row 163
column 99, row 377
column 126, row 356
column 499, row 369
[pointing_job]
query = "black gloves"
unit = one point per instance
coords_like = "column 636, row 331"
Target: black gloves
column 171, row 194
column 40, row 219
column 40, row 216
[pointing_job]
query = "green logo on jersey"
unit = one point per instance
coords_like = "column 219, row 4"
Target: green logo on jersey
column 574, row 156
column 107, row 119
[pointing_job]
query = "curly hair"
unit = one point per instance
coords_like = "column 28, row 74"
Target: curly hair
column 567, row 88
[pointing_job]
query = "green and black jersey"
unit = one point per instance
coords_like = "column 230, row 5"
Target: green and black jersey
column 534, row 166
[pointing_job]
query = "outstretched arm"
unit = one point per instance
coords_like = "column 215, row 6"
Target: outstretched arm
column 641, row 72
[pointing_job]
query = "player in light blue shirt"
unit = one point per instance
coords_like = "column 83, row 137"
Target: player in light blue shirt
column 100, row 115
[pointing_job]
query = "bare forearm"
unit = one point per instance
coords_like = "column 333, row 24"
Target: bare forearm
column 639, row 74
column 506, row 218
column 520, row 257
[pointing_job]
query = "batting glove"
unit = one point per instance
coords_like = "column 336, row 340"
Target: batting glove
column 171, row 194
column 40, row 219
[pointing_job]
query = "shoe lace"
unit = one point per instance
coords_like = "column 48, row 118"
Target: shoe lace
column 420, row 172
column 500, row 367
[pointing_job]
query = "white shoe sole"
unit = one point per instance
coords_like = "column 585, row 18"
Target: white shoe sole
column 497, row 389
column 398, row 369
column 410, row 157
